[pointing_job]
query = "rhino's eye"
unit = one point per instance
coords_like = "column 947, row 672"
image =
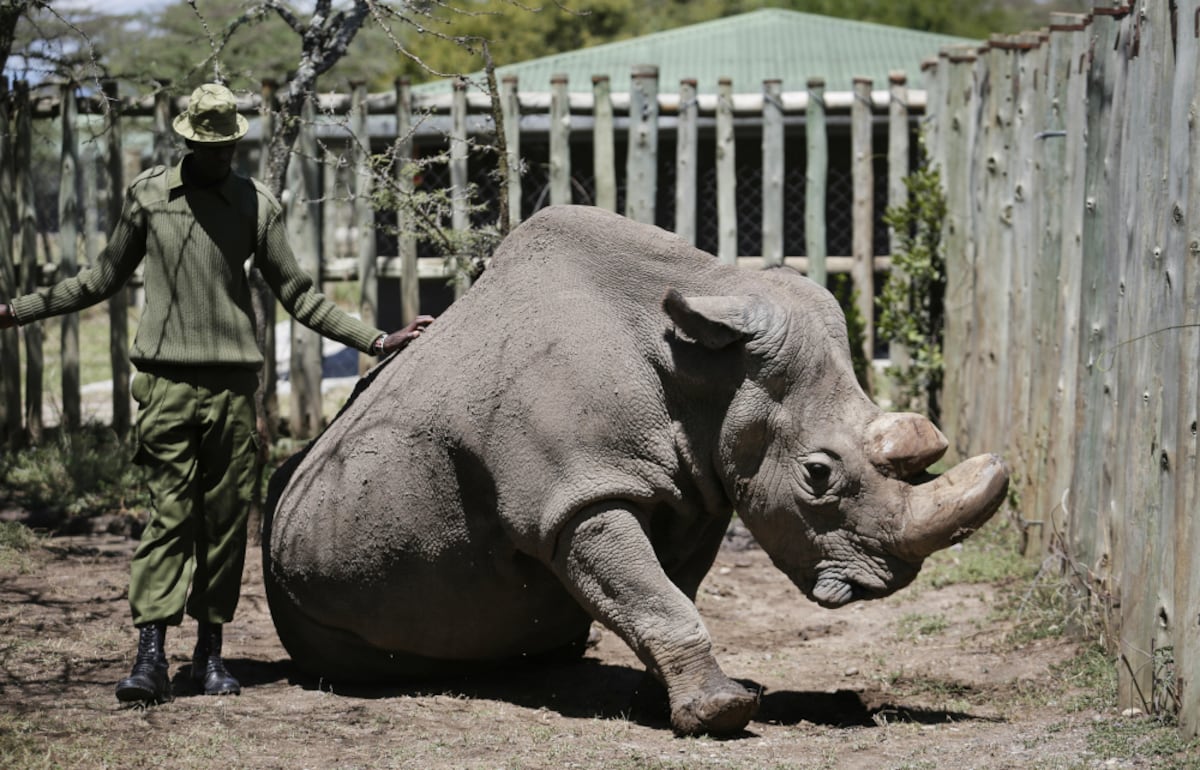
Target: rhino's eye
column 819, row 473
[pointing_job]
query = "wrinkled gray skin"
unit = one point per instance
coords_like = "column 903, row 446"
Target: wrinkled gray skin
column 567, row 443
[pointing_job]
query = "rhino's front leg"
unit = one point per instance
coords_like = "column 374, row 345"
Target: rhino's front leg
column 604, row 557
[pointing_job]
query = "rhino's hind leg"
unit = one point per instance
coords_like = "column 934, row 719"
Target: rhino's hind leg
column 606, row 560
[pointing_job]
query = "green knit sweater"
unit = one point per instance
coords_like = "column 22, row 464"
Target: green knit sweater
column 196, row 242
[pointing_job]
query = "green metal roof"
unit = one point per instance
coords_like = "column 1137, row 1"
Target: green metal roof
column 749, row 48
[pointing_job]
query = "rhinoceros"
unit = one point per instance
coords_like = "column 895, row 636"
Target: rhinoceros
column 568, row 442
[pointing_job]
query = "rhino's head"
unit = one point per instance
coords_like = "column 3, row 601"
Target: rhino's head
column 834, row 489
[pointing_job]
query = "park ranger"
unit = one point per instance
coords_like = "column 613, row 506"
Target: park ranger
column 195, row 226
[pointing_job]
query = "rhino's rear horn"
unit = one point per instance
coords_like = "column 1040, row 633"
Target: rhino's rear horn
column 902, row 444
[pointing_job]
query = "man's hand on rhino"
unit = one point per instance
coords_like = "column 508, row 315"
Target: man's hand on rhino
column 398, row 340
column 7, row 319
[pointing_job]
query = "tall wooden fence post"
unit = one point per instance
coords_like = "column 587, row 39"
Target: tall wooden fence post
column 364, row 216
column 1175, row 614
column 27, row 230
column 863, row 271
column 118, row 304
column 1187, row 463
column 406, row 239
column 727, row 239
column 958, row 137
column 641, row 175
column 898, row 169
column 304, row 211
column 1095, row 400
column 459, row 153
column 773, row 173
column 686, row 138
column 603, row 153
column 560, row 141
column 510, row 103
column 68, row 245
column 816, row 181
column 10, row 353
column 992, row 158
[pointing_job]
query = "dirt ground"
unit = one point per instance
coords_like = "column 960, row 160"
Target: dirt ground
column 929, row 678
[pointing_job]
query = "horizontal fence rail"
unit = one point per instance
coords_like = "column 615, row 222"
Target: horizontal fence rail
column 1073, row 242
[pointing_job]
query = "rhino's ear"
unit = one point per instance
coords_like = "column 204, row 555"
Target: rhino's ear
column 714, row 322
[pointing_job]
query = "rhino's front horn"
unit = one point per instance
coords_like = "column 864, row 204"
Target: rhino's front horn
column 952, row 506
column 902, row 444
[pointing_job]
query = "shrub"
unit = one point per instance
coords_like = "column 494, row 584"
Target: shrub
column 912, row 303
column 74, row 475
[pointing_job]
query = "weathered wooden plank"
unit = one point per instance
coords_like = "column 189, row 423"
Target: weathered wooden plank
column 304, row 212
column 898, row 170
column 27, row 233
column 686, row 153
column 459, row 179
column 118, row 303
column 957, row 139
column 863, row 240
column 989, row 417
column 1031, row 56
column 560, row 141
column 1121, row 193
column 1050, row 150
column 773, row 172
column 406, row 240
column 604, row 164
column 641, row 173
column 363, row 212
column 10, row 353
column 510, row 104
column 1187, row 474
column 165, row 153
column 1095, row 461
column 68, row 251
column 816, row 180
column 1061, row 429
column 1139, row 359
column 1179, row 365
column 727, row 246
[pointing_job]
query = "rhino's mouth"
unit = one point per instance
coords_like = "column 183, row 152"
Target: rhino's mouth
column 834, row 589
column 831, row 591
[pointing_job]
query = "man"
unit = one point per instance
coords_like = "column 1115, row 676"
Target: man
column 195, row 225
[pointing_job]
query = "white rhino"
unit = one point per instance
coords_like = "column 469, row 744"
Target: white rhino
column 568, row 442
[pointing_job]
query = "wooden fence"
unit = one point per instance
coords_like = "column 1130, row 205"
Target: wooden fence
column 338, row 134
column 1071, row 160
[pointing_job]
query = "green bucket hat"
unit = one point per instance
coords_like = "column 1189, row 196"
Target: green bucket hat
column 211, row 116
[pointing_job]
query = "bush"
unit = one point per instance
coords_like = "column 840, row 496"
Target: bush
column 76, row 475
column 912, row 303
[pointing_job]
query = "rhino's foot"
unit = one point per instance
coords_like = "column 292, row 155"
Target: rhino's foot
column 720, row 708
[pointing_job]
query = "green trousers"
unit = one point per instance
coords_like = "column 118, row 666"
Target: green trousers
column 196, row 437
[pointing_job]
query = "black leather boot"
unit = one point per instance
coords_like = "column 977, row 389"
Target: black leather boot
column 148, row 683
column 208, row 669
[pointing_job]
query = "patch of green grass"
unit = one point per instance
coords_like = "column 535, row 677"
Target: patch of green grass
column 15, row 536
column 915, row 625
column 1144, row 738
column 16, row 544
column 1093, row 673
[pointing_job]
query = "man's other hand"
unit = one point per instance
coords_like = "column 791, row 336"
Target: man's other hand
column 397, row 340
